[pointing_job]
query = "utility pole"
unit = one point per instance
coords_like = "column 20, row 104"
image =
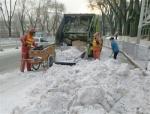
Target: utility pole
column 140, row 22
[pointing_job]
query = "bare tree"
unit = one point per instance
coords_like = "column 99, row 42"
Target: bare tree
column 2, row 28
column 59, row 8
column 103, row 6
column 33, row 17
column 50, row 15
column 22, row 10
column 15, row 26
column 9, row 14
column 34, row 13
column 46, row 5
column 134, row 15
column 126, row 14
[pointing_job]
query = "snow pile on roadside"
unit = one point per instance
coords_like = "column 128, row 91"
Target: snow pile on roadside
column 67, row 54
column 90, row 87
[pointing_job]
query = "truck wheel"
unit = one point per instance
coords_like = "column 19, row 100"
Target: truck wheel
column 36, row 66
column 50, row 61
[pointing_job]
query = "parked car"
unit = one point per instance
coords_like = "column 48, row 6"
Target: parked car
column 41, row 41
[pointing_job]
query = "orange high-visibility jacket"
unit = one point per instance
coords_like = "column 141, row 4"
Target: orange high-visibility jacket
column 95, row 46
column 94, row 43
column 27, row 39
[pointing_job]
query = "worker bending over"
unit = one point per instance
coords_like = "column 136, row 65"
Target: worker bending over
column 27, row 40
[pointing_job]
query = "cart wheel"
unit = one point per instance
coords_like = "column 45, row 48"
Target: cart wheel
column 36, row 66
column 50, row 61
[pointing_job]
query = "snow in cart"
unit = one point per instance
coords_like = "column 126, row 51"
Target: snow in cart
column 91, row 86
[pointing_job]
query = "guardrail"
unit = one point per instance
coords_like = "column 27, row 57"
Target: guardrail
column 139, row 53
column 15, row 42
column 7, row 43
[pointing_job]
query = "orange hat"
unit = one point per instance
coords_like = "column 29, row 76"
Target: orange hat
column 32, row 29
column 97, row 34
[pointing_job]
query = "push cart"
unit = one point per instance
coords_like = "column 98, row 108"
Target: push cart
column 41, row 57
column 38, row 57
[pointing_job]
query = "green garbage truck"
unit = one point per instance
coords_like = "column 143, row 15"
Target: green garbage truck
column 78, row 30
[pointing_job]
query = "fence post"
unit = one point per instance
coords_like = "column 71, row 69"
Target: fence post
column 1, row 47
column 122, row 45
column 136, row 51
column 147, row 58
column 127, row 48
column 16, row 45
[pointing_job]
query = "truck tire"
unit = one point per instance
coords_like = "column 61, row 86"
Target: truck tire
column 36, row 66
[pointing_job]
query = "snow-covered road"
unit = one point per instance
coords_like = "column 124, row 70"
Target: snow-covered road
column 13, row 87
column 9, row 60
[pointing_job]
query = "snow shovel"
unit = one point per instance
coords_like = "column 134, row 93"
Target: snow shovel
column 121, row 96
column 65, row 63
column 81, row 56
column 109, row 56
column 119, row 99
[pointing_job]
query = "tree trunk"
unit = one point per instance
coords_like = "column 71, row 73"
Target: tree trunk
column 120, row 26
column 22, row 28
column 10, row 28
column 103, row 21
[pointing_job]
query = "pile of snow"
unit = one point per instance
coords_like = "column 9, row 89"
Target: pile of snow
column 67, row 54
column 90, row 87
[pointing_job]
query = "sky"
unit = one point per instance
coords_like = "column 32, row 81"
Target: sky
column 76, row 6
column 73, row 6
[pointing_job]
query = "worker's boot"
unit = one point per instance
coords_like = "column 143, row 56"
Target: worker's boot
column 22, row 71
column 30, row 70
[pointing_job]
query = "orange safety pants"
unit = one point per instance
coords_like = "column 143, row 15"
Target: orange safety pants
column 25, row 55
column 96, row 52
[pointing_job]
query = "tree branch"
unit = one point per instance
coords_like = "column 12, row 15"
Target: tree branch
column 119, row 8
column 4, row 19
column 6, row 9
column 14, row 9
column 113, row 8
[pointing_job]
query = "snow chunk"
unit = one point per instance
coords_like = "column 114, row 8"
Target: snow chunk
column 111, row 63
column 90, row 95
column 122, row 70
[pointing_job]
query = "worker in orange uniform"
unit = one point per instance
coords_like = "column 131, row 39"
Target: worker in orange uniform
column 97, row 45
column 27, row 40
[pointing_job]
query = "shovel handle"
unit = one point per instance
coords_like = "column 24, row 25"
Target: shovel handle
column 111, row 55
column 121, row 96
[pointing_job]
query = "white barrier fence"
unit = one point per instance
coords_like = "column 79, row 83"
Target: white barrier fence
column 9, row 42
column 141, row 54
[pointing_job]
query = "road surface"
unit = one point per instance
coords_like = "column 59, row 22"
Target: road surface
column 9, row 60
